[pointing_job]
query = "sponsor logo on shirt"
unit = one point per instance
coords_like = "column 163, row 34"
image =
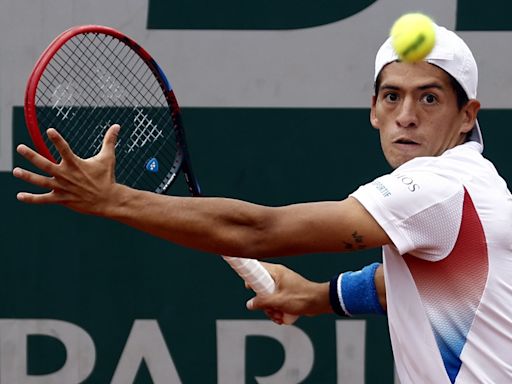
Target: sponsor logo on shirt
column 381, row 188
column 408, row 182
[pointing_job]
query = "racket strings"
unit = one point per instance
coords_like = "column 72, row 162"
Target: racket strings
column 96, row 80
column 78, row 133
column 144, row 127
column 95, row 57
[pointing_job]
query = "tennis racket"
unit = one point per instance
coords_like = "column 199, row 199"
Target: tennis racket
column 91, row 77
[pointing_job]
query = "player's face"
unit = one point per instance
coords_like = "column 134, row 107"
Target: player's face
column 416, row 112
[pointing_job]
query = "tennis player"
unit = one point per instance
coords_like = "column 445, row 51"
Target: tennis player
column 443, row 218
column 447, row 281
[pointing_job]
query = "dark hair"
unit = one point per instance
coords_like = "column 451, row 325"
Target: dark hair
column 462, row 97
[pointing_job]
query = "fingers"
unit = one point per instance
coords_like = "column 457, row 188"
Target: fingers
column 34, row 178
column 273, row 314
column 62, row 145
column 35, row 158
column 31, row 198
column 110, row 139
column 250, row 305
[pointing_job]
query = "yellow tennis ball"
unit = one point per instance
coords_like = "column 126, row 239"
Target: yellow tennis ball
column 413, row 36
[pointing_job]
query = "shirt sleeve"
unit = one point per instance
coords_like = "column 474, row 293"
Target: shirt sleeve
column 420, row 211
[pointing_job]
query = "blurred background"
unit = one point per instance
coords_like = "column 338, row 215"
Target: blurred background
column 275, row 97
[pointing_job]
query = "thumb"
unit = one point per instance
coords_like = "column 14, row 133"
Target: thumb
column 110, row 139
column 258, row 302
column 250, row 304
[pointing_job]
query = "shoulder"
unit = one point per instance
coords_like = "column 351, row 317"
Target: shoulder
column 417, row 204
column 419, row 183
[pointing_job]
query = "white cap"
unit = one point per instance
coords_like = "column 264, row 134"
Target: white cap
column 451, row 54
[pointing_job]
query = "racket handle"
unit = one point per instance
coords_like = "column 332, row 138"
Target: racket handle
column 258, row 278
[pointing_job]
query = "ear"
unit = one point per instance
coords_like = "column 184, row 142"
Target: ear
column 470, row 112
column 373, row 115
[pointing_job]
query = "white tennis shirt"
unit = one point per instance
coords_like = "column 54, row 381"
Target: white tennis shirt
column 449, row 271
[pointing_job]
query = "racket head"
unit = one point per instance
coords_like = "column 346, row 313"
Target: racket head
column 93, row 76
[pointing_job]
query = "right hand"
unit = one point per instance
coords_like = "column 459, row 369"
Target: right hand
column 294, row 295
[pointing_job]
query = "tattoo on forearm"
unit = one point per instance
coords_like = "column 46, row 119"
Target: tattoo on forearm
column 356, row 242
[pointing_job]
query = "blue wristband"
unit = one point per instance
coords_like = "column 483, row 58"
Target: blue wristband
column 354, row 293
column 334, row 297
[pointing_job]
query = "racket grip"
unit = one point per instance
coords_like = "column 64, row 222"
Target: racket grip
column 258, row 278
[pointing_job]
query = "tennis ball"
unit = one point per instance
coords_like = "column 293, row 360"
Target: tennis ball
column 413, row 36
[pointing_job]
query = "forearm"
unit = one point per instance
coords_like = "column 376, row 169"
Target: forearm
column 237, row 228
column 216, row 225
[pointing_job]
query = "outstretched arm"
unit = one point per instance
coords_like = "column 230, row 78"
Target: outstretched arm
column 217, row 225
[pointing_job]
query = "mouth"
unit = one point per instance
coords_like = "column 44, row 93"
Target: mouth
column 405, row 141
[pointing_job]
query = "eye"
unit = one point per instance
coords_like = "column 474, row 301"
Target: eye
column 391, row 97
column 429, row 98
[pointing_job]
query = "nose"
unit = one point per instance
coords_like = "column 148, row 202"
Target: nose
column 407, row 116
